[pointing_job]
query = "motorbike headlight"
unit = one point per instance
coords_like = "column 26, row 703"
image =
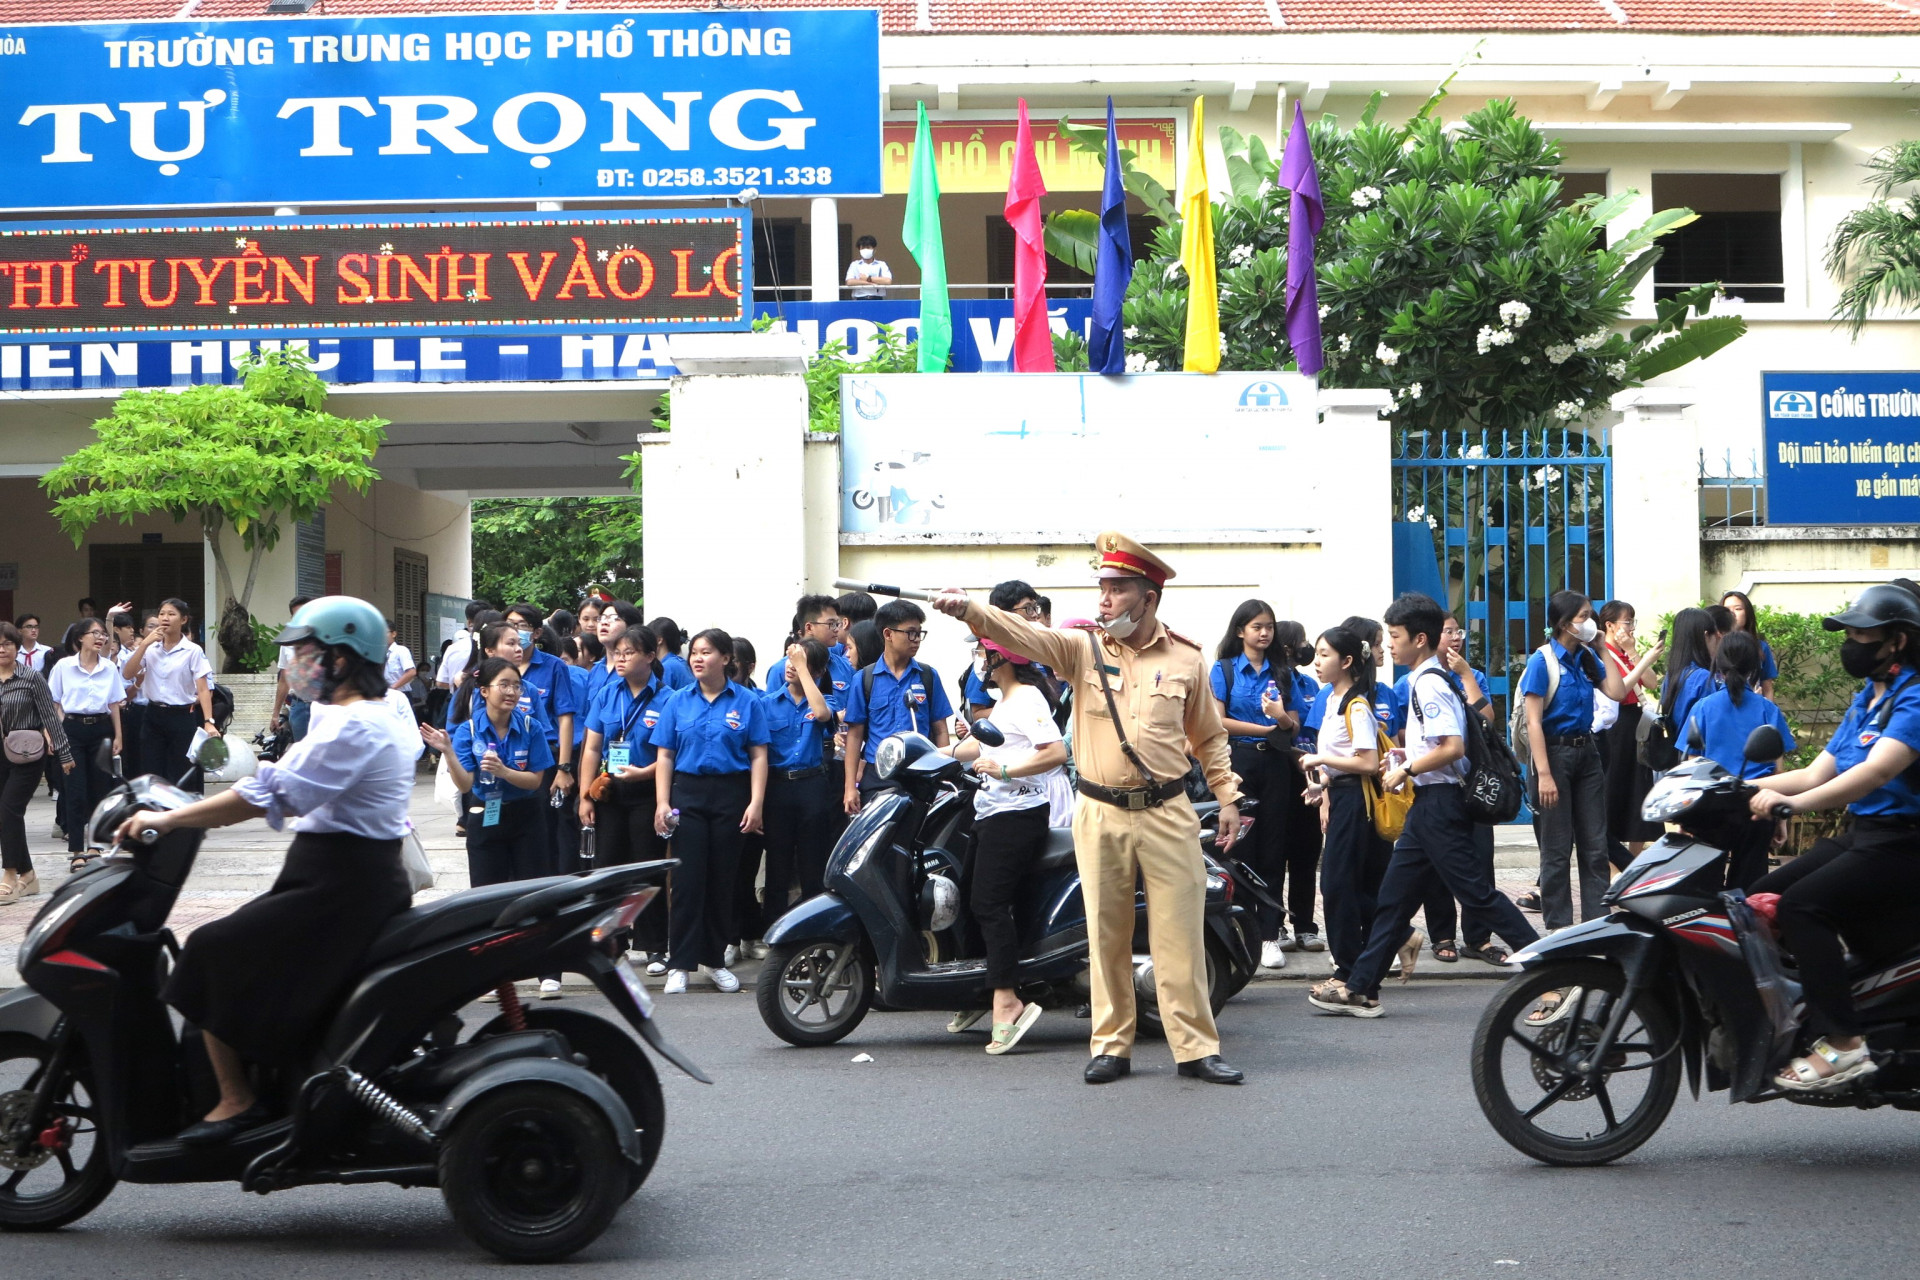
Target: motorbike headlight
column 891, row 755
column 1665, row 803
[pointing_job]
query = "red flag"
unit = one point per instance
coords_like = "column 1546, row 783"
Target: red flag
column 1032, row 339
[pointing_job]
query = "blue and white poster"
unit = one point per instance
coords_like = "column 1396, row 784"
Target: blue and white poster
column 1842, row 448
column 508, row 106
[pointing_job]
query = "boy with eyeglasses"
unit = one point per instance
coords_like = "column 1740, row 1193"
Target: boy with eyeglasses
column 900, row 695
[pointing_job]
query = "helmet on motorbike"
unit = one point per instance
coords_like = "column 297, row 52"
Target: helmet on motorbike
column 341, row 620
column 1881, row 605
column 939, row 903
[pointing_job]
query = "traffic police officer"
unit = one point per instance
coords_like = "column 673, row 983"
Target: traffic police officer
column 1140, row 705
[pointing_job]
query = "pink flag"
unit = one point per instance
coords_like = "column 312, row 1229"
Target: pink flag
column 1032, row 339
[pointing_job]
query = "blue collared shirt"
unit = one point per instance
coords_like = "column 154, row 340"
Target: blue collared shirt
column 794, row 732
column 1695, row 684
column 1249, row 686
column 839, row 675
column 619, row 715
column 546, row 694
column 1571, row 711
column 579, row 678
column 711, row 737
column 1854, row 739
column 676, row 671
column 912, row 703
column 1718, row 730
column 523, row 746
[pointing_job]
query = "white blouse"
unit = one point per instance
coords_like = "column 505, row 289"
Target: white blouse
column 167, row 675
column 86, row 693
column 347, row 775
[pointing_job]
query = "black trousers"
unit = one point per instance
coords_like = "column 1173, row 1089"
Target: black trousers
column 515, row 848
column 88, row 782
column 708, row 846
column 17, row 782
column 622, row 835
column 1004, row 847
column 1263, row 778
column 1303, row 853
column 803, row 821
column 133, row 723
column 1747, row 860
column 1443, row 920
column 1862, row 884
column 1350, row 871
column 167, row 734
column 1439, row 837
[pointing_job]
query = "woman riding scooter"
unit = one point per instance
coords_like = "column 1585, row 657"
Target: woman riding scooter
column 1864, row 883
column 260, row 983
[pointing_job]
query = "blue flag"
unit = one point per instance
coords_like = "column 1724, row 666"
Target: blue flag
column 1112, row 267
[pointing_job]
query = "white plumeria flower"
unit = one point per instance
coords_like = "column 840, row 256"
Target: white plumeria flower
column 1223, row 344
column 1515, row 314
column 1367, row 196
column 1568, row 410
column 1346, row 343
column 1592, row 341
column 1136, row 362
column 1132, row 331
column 1617, row 369
column 1416, row 514
column 1325, row 311
column 1239, row 253
column 1416, row 390
column 1153, row 366
column 1173, row 271
column 1559, row 353
column 1474, row 451
column 1386, row 355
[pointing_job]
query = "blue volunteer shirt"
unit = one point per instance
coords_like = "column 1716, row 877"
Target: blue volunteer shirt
column 1854, row 739
column 621, row 716
column 674, row 667
column 1769, row 669
column 1718, row 730
column 1571, row 711
column 1250, row 685
column 1695, row 684
column 710, row 737
column 579, row 678
column 546, row 694
column 839, row 675
column 522, row 746
column 911, row 703
column 794, row 732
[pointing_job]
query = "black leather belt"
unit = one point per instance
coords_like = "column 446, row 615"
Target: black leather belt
column 1131, row 797
column 173, row 706
column 794, row 775
column 1258, row 744
column 1571, row 740
column 99, row 717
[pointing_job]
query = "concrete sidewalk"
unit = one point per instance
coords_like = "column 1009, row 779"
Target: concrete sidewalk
column 238, row 863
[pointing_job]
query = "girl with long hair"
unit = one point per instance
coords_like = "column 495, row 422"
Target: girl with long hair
column 1347, row 753
column 1627, row 779
column 1717, row 729
column 1746, row 618
column 87, row 688
column 1251, row 692
column 174, row 674
column 617, row 770
column 1689, row 678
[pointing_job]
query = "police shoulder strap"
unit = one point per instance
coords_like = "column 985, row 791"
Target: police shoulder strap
column 1113, row 713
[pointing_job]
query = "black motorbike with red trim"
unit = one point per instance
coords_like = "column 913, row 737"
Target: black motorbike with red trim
column 536, row 1128
column 1680, row 976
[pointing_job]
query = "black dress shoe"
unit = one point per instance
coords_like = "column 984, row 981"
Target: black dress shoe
column 1212, row 1070
column 1107, row 1068
column 211, row 1133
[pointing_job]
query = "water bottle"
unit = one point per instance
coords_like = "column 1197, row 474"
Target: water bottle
column 673, row 822
column 586, row 846
column 555, row 799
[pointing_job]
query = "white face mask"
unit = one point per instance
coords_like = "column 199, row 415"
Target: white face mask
column 980, row 669
column 1585, row 631
column 866, row 254
column 1121, row 627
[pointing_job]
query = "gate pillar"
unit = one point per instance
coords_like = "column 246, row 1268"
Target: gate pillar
column 1356, row 538
column 1654, row 514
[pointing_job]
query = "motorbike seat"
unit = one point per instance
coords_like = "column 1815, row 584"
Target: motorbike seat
column 454, row 914
column 1058, row 854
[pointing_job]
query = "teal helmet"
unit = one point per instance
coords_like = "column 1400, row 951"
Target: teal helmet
column 343, row 620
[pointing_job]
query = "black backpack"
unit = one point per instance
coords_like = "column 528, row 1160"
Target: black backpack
column 927, row 674
column 1491, row 790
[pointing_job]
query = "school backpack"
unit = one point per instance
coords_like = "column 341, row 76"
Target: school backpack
column 1491, row 790
column 1386, row 810
column 1517, row 732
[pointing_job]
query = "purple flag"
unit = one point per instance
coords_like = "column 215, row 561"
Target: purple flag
column 1306, row 215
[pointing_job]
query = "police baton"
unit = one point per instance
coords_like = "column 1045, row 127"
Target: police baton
column 881, row 589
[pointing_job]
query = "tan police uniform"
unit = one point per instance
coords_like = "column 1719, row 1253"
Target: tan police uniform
column 1166, row 710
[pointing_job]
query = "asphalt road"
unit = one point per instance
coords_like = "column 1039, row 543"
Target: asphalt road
column 1355, row 1151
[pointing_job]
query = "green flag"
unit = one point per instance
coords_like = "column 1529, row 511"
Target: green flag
column 921, row 234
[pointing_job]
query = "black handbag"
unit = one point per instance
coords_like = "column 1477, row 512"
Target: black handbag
column 1655, row 741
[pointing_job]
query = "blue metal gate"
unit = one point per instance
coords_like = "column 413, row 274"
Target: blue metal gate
column 1513, row 517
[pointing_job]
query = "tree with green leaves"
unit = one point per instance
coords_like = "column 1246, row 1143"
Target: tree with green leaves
column 256, row 457
column 1876, row 250
column 552, row 551
column 1452, row 272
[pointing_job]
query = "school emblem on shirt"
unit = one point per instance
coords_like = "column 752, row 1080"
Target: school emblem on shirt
column 733, row 719
column 650, row 717
column 1867, row 737
column 839, row 684
column 809, row 717
column 918, row 693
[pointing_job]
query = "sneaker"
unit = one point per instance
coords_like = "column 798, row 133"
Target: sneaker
column 723, row 978
column 758, row 950
column 731, row 957
column 676, row 982
column 1335, row 998
column 549, row 988
column 1311, row 942
column 1272, row 955
column 1288, row 941
column 656, row 967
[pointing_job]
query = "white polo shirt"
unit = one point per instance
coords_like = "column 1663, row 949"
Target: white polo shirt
column 134, row 695
column 1434, row 712
column 80, row 692
column 167, row 675
column 399, row 658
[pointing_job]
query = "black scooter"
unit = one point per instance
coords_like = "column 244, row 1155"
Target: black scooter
column 892, row 926
column 536, row 1128
column 1680, row 975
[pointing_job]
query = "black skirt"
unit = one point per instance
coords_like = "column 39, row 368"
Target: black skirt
column 1627, row 780
column 266, row 978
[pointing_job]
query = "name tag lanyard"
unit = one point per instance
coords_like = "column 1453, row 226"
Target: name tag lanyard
column 618, row 753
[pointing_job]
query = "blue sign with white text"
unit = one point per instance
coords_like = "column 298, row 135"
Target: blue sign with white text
column 548, row 106
column 1842, row 448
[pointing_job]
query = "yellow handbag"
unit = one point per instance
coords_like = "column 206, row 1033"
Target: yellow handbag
column 1387, row 810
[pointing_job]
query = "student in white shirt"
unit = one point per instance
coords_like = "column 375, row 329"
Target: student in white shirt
column 33, row 654
column 1439, row 834
column 869, row 275
column 89, row 692
column 1346, row 753
column 173, row 672
column 297, row 708
column 400, row 665
column 1012, row 811
column 126, row 634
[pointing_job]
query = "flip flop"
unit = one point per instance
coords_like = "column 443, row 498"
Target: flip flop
column 1007, row 1034
column 1410, row 955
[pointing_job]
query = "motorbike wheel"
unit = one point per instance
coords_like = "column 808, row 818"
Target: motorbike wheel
column 1523, row 1078
column 617, row 1058
column 797, row 1004
column 1146, row 995
column 533, row 1173
column 42, row 1189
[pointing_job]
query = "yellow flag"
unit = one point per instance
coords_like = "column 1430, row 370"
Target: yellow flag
column 1196, row 254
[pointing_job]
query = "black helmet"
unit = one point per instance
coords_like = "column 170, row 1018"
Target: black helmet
column 1881, row 605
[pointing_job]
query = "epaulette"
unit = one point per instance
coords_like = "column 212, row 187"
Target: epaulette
column 1081, row 626
column 1175, row 635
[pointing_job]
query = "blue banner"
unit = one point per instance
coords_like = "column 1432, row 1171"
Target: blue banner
column 1842, row 448
column 982, row 343
column 551, row 106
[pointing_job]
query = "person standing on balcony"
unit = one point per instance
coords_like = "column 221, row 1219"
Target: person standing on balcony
column 868, row 275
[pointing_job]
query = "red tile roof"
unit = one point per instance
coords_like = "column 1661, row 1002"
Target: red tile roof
column 901, row 17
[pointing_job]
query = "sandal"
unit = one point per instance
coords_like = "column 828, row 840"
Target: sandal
column 1845, row 1067
column 1410, row 955
column 1446, row 952
column 1487, row 952
column 1007, row 1034
column 1530, row 901
column 1553, row 1006
column 964, row 1019
column 78, row 862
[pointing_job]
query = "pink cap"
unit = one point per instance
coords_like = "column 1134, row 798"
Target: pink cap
column 1014, row 658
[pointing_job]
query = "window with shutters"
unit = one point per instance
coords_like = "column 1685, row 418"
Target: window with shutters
column 147, row 573
column 409, row 600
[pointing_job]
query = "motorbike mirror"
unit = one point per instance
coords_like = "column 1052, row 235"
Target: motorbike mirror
column 213, row 754
column 988, row 733
column 1764, row 744
column 104, row 759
